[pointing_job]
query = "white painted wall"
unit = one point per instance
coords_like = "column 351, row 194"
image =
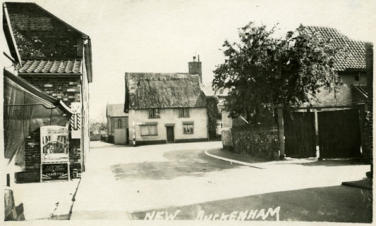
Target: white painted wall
column 120, row 136
column 198, row 116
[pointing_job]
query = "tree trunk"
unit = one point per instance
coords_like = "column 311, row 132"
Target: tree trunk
column 281, row 133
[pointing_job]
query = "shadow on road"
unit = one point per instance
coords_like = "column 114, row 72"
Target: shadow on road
column 180, row 163
column 329, row 204
column 326, row 162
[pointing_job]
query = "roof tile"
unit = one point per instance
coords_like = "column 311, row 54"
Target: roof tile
column 355, row 53
column 51, row 66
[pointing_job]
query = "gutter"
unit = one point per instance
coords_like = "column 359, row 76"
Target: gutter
column 49, row 74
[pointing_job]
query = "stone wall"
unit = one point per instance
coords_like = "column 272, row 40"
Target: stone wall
column 260, row 142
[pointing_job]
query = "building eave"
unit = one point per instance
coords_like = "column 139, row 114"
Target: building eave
column 12, row 42
column 50, row 74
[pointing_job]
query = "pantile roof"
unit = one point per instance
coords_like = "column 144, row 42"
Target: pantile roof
column 51, row 66
column 163, row 90
column 354, row 57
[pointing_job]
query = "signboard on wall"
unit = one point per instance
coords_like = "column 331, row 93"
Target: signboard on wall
column 54, row 144
column 55, row 171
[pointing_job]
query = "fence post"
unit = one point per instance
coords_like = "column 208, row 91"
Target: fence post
column 281, row 133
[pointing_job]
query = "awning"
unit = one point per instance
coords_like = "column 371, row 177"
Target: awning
column 26, row 109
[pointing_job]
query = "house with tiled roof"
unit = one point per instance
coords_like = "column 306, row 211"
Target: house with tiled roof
column 335, row 121
column 55, row 57
column 334, row 124
column 349, row 63
column 165, row 107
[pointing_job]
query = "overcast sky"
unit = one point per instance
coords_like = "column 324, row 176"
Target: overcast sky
column 163, row 35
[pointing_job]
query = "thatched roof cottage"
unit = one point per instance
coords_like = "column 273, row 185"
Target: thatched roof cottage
column 165, row 107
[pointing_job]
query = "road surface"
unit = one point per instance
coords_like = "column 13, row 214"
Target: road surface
column 178, row 181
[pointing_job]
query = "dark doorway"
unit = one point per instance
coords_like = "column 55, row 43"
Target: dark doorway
column 170, row 134
column 339, row 134
column 127, row 136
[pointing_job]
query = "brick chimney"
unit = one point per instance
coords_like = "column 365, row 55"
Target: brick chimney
column 194, row 67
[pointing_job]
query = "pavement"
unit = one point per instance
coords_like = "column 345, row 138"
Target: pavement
column 47, row 200
column 179, row 181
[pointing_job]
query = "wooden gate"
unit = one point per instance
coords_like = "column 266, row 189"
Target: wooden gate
column 339, row 134
column 300, row 134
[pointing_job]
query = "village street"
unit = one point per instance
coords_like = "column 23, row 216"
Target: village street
column 130, row 182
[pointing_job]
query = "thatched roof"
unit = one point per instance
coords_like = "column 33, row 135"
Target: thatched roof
column 163, row 90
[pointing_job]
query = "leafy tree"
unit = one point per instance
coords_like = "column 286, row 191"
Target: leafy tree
column 261, row 72
column 213, row 116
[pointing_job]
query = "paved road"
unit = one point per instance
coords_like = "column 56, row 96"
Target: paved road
column 131, row 182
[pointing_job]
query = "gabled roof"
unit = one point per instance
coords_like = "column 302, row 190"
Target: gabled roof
column 51, row 67
column 115, row 110
column 163, row 90
column 354, row 57
column 34, row 34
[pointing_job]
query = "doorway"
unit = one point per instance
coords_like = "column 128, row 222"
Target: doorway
column 170, row 134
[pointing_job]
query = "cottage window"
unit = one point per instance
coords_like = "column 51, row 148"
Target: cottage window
column 149, row 130
column 119, row 124
column 184, row 112
column 187, row 127
column 154, row 113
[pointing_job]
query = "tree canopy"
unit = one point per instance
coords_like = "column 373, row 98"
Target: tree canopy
column 261, row 72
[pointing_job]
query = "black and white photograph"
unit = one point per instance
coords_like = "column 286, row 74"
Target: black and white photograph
column 200, row 111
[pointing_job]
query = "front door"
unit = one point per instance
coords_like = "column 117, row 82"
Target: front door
column 170, row 134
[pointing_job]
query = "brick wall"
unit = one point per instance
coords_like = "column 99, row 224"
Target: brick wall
column 32, row 151
column 67, row 89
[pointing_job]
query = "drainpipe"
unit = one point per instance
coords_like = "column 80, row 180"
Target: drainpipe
column 134, row 134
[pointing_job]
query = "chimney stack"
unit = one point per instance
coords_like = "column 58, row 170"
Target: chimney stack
column 195, row 67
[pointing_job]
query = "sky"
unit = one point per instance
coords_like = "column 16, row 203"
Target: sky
column 163, row 35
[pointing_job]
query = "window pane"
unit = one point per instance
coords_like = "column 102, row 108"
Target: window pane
column 188, row 128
